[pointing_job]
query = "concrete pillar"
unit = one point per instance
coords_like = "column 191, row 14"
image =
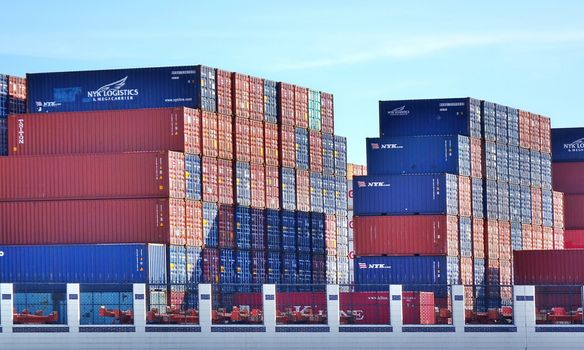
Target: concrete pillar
column 6, row 307
column 457, row 295
column 269, row 298
column 139, row 291
column 396, row 308
column 73, row 313
column 205, row 307
column 529, row 313
column 332, row 307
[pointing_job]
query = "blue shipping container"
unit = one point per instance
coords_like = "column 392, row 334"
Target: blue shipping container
column 258, row 229
column 491, row 207
column 193, row 177
column 465, row 236
column 303, row 231
column 135, row 88
column 418, row 155
column 302, row 149
column 477, row 198
column 243, row 227
column 503, row 201
column 502, row 163
column 501, row 124
column 525, row 204
column 513, row 126
column 316, row 199
column 274, row 268
column 405, row 194
column 429, row 273
column 194, row 265
column 329, row 187
column 340, row 155
column 103, row 263
column 317, row 233
column 547, row 208
column 328, row 154
column 3, row 137
column 273, row 230
column 318, row 269
column 490, row 160
column 341, row 195
column 227, row 272
column 515, row 203
column 258, row 266
column 288, row 230
column 243, row 267
column 430, row 117
column 3, row 85
column 525, row 164
column 568, row 145
column 515, row 169
column 516, row 239
column 304, row 268
column 270, row 101
column 546, row 171
column 535, row 169
column 210, row 224
column 289, row 268
column 177, row 264
column 489, row 120
column 242, row 183
column 287, row 188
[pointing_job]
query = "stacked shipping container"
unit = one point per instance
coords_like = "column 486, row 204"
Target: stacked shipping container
column 12, row 100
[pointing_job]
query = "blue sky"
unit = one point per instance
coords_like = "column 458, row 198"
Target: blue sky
column 526, row 54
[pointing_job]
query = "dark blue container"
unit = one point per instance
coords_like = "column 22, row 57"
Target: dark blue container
column 513, row 126
column 270, row 101
column 479, row 271
column 503, row 201
column 477, row 198
column 515, row 203
column 242, row 183
column 490, row 200
column 516, row 238
column 340, row 155
column 535, row 169
column 318, row 269
column 316, row 200
column 193, row 177
column 99, row 263
column 243, row 267
column 183, row 86
column 490, row 160
column 302, row 149
column 546, row 171
column 273, row 230
column 502, row 163
column 465, row 236
column 3, row 137
column 274, row 268
column 525, row 165
column 423, row 273
column 227, row 270
column 258, row 267
column 328, row 154
column 3, row 85
column 3, row 106
column 479, row 285
column 525, row 204
column 418, row 155
column 405, row 194
column 258, row 229
column 492, row 275
column 317, row 233
column 303, row 231
column 501, row 124
column 568, row 145
column 514, row 165
column 210, row 225
column 547, row 208
column 288, row 230
column 16, row 105
column 341, row 195
column 329, row 186
column 194, row 265
column 304, row 268
column 243, row 227
column 489, row 120
column 430, row 117
column 289, row 268
column 177, row 264
column 287, row 189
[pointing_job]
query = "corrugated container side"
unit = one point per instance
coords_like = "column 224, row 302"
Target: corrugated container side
column 549, row 267
column 490, row 160
column 303, row 190
column 476, row 157
column 501, row 124
column 503, row 201
column 274, row 243
column 258, row 229
column 525, row 161
column 327, row 113
column 210, row 265
column 243, row 268
column 271, row 151
column 242, row 183
column 240, row 95
column 515, row 167
column 225, row 137
column 227, row 272
column 256, row 98
column 547, row 208
column 525, row 205
column 477, row 197
column 464, row 196
column 258, row 267
column 330, row 234
column 505, row 240
column 302, row 149
column 242, row 227
column 315, row 141
column 536, row 206
column 303, row 231
column 226, row 223
column 316, row 197
column 224, row 92
column 465, row 236
column 258, row 186
column 478, row 238
column 490, row 200
column 194, row 264
column 210, row 225
column 546, row 171
column 274, row 268
column 340, row 155
column 301, row 107
column 515, row 203
column 256, row 131
column 466, row 271
column 527, row 236
column 209, row 131
column 225, row 181
column 568, row 177
column 270, row 101
column 341, row 195
column 317, row 243
column 516, row 240
column 193, row 174
column 285, row 95
column 177, row 264
column 331, row 269
column 210, row 180
column 548, row 238
column 272, row 187
column 314, row 115
column 535, row 132
column 537, row 237
column 288, row 230
column 573, row 209
column 328, row 193
column 287, row 189
column 535, row 169
column 558, row 210
column 289, row 268
column 328, row 154
column 194, row 223
column 524, row 130
column 3, row 133
column 545, row 135
column 502, row 163
column 489, row 121
column 318, row 269
column 558, row 238
column 513, row 126
column 491, row 234
column 287, row 146
column 242, row 139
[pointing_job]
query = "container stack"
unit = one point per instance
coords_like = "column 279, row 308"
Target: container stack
column 214, row 176
column 454, row 186
column 352, row 170
column 568, row 177
column 12, row 100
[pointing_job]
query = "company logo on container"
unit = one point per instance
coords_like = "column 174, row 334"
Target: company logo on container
column 361, row 183
column 390, row 146
column 373, row 266
column 20, row 131
column 1, row 253
column 362, row 265
column 576, row 146
column 400, row 111
column 113, row 92
column 376, row 184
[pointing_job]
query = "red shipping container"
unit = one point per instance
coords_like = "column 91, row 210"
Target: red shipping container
column 258, row 186
column 172, row 129
column 210, row 181
column 476, row 158
column 558, row 238
column 224, row 95
column 548, row 238
column 226, row 219
column 536, row 210
column 327, row 113
column 537, row 237
column 240, row 95
column 574, row 211
column 365, row 308
column 418, row 308
column 17, row 87
column 405, row 235
column 225, row 181
column 505, row 272
column 301, row 107
column 287, row 146
column 272, row 187
column 464, row 196
column 303, row 190
column 478, row 238
column 469, row 297
column 573, row 239
column 535, row 133
column 315, row 142
column 466, row 271
column 256, row 98
column 527, row 236
column 121, row 175
column 545, row 131
column 549, row 267
column 242, row 141
column 491, row 233
column 271, row 144
column 209, row 129
column 568, row 177
column 505, row 250
column 93, row 222
column 524, row 129
column 558, row 202
column 256, row 140
column 194, row 223
column 286, row 103
column 330, row 234
column 225, row 137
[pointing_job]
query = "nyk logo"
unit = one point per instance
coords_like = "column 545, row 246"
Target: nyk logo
column 373, row 266
column 386, row 146
column 576, row 146
column 113, row 91
column 372, row 184
column 400, row 111
column 21, row 131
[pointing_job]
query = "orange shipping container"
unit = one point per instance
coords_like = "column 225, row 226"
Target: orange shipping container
column 476, row 158
column 535, row 132
column 225, row 137
column 210, row 190
column 527, row 236
column 287, row 146
column 209, row 123
column 505, row 251
column 224, row 95
column 256, row 140
column 327, row 113
column 315, row 142
column 303, row 190
column 464, row 196
column 225, row 181
column 258, row 186
column 524, row 129
column 194, row 223
column 285, row 103
column 301, row 107
column 537, row 235
column 240, row 95
column 536, row 210
column 478, row 238
column 256, row 98
column 491, row 233
column 271, row 144
column 242, row 141
column 548, row 238
column 272, row 187
column 559, row 238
